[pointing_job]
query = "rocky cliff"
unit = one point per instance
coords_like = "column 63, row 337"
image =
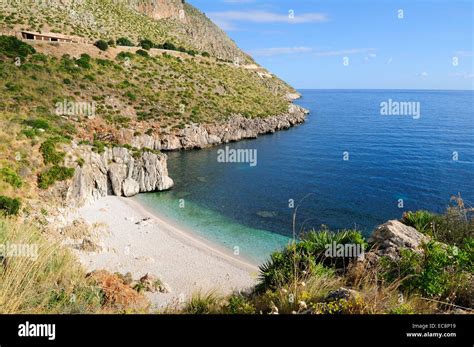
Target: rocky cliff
column 196, row 136
column 116, row 171
column 159, row 9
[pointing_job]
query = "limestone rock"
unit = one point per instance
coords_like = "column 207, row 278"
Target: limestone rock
column 236, row 128
column 393, row 235
column 130, row 187
column 116, row 171
column 117, row 174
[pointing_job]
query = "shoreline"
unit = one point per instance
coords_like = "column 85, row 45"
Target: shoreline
column 192, row 236
column 141, row 242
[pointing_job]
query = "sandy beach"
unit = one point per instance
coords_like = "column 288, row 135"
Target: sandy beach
column 140, row 242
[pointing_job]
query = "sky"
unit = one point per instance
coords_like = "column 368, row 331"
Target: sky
column 354, row 44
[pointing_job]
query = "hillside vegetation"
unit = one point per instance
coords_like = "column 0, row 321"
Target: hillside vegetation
column 181, row 24
column 301, row 279
column 155, row 65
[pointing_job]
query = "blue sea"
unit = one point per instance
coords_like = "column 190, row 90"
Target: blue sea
column 356, row 167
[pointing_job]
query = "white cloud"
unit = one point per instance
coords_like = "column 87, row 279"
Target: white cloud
column 344, row 52
column 269, row 52
column 464, row 75
column 463, row 54
column 225, row 19
column 423, row 74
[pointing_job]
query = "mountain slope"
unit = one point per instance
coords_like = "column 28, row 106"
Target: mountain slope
column 56, row 95
column 160, row 21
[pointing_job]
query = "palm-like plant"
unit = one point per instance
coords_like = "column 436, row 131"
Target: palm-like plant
column 307, row 256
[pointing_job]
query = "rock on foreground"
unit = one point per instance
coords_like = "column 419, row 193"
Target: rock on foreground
column 390, row 237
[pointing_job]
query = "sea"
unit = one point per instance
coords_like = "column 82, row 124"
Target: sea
column 362, row 157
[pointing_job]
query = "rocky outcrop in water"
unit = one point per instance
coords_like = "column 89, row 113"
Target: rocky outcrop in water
column 206, row 135
column 116, row 171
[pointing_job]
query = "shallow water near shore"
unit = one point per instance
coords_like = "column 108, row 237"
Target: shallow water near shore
column 393, row 164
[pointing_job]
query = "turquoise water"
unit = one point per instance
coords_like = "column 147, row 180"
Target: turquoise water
column 391, row 159
column 250, row 243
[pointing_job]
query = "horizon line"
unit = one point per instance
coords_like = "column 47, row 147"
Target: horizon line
column 412, row 89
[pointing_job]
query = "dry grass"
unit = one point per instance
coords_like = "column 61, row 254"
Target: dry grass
column 47, row 281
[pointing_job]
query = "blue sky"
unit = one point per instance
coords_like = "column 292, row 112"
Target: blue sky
column 431, row 47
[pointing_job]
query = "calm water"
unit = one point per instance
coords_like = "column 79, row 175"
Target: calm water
column 389, row 158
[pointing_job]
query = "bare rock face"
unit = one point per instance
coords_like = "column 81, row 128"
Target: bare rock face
column 159, row 9
column 195, row 136
column 117, row 172
column 151, row 173
column 393, row 235
column 130, row 187
column 117, row 175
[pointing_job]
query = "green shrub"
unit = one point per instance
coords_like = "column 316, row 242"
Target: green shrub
column 420, row 220
column 49, row 152
column 37, row 123
column 146, row 44
column 169, row 46
column 454, row 227
column 12, row 47
column 11, row 177
column 123, row 55
column 84, row 61
column 203, row 304
column 307, row 257
column 123, row 41
column 142, row 53
column 12, row 87
column 68, row 65
column 99, row 146
column 29, row 133
column 131, row 96
column 238, row 304
column 9, row 206
column 55, row 173
column 441, row 271
column 205, row 54
column 39, row 58
column 402, row 309
column 102, row 45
